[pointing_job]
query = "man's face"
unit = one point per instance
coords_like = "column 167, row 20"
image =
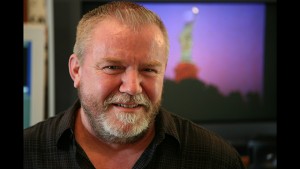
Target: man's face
column 120, row 81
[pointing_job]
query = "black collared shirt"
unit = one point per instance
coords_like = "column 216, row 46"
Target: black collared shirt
column 178, row 143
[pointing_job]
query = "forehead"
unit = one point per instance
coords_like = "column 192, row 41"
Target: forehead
column 112, row 27
column 112, row 34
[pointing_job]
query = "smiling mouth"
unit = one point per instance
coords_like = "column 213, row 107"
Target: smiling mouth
column 128, row 105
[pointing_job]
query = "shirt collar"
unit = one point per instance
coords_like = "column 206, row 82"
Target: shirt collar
column 166, row 126
column 66, row 125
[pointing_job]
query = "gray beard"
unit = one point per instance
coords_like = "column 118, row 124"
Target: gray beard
column 106, row 130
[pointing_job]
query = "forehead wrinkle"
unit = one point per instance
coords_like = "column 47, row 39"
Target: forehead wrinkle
column 111, row 60
column 152, row 63
column 115, row 60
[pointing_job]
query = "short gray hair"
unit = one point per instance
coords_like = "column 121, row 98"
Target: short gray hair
column 129, row 13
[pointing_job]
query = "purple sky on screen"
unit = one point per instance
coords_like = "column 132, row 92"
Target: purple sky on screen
column 228, row 42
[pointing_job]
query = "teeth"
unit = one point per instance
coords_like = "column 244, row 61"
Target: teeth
column 128, row 106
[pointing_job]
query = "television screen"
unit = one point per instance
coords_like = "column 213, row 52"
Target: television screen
column 220, row 66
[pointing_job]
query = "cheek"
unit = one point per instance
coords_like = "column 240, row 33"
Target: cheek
column 96, row 85
column 103, row 86
column 154, row 90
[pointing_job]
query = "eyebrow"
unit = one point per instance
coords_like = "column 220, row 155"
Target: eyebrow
column 110, row 60
column 152, row 63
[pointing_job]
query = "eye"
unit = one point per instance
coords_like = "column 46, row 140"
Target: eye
column 150, row 70
column 113, row 69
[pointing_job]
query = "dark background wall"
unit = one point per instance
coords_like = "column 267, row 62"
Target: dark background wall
column 66, row 16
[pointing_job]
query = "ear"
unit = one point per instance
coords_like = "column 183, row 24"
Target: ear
column 74, row 69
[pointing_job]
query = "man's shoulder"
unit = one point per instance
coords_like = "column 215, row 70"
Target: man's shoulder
column 197, row 139
column 188, row 126
column 193, row 133
column 43, row 128
column 201, row 144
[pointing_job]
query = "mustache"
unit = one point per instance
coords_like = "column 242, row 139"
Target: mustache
column 140, row 99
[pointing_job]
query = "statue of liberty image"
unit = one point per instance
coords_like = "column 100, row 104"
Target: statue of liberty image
column 186, row 38
column 186, row 69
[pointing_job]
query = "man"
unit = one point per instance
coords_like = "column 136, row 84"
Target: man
column 118, row 66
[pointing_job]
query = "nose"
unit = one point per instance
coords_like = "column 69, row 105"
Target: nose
column 131, row 82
